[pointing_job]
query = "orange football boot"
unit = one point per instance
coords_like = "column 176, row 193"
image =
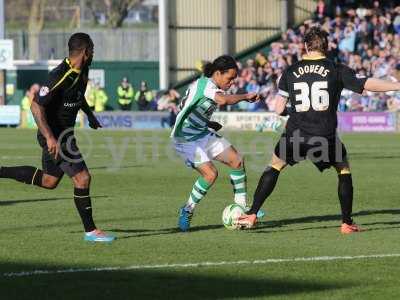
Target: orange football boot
column 247, row 221
column 347, row 229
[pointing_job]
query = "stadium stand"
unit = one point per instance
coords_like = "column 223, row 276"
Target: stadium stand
column 366, row 38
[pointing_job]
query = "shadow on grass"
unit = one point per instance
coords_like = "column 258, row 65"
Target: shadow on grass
column 262, row 226
column 153, row 232
column 362, row 155
column 363, row 227
column 199, row 283
column 111, row 167
column 323, row 218
column 22, row 201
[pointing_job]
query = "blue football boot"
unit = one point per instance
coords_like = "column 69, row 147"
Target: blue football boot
column 184, row 219
column 98, row 236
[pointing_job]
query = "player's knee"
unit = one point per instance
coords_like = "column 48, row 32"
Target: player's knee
column 82, row 180
column 237, row 163
column 49, row 182
column 211, row 176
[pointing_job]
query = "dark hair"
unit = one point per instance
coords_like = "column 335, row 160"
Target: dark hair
column 222, row 63
column 79, row 41
column 316, row 39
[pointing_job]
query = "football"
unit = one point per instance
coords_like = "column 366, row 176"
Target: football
column 230, row 214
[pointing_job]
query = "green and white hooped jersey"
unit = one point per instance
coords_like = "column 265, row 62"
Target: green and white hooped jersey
column 199, row 105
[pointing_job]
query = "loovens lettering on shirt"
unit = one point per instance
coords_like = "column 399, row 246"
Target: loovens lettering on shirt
column 317, row 69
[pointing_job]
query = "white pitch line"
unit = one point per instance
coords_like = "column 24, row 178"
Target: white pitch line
column 197, row 265
column 254, row 152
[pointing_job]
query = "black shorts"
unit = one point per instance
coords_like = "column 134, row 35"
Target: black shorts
column 69, row 161
column 324, row 152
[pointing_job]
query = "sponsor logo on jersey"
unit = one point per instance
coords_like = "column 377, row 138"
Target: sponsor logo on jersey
column 72, row 104
column 44, row 90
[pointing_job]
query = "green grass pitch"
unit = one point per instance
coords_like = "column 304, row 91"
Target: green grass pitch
column 138, row 185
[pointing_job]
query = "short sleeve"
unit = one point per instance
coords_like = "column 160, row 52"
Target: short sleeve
column 283, row 85
column 351, row 80
column 50, row 88
column 211, row 89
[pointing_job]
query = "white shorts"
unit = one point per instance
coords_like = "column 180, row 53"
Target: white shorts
column 202, row 150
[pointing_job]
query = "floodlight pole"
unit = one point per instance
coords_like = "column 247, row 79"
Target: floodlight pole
column 82, row 6
column 224, row 27
column 163, row 30
column 227, row 36
column 2, row 72
column 284, row 15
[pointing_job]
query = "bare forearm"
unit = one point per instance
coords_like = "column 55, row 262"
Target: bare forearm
column 378, row 85
column 230, row 99
column 279, row 110
column 280, row 104
column 41, row 121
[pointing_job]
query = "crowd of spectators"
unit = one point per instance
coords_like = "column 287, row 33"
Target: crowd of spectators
column 365, row 38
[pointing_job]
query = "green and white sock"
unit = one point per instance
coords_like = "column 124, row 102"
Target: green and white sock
column 200, row 188
column 239, row 183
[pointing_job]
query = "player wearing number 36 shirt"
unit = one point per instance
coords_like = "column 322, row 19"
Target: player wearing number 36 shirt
column 312, row 88
column 309, row 92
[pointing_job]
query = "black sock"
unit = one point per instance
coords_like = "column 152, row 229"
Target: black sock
column 265, row 187
column 25, row 174
column 345, row 193
column 84, row 206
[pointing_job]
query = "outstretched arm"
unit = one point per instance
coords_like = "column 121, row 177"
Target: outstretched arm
column 379, row 85
column 222, row 99
column 351, row 81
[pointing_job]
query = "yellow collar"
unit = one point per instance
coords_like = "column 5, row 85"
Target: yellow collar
column 306, row 57
column 69, row 64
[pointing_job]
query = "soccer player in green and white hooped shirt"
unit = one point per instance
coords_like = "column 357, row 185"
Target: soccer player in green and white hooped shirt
column 198, row 145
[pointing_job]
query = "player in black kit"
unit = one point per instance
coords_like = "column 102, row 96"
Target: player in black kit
column 55, row 109
column 309, row 92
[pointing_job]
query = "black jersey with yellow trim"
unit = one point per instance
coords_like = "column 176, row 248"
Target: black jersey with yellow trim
column 313, row 87
column 63, row 95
